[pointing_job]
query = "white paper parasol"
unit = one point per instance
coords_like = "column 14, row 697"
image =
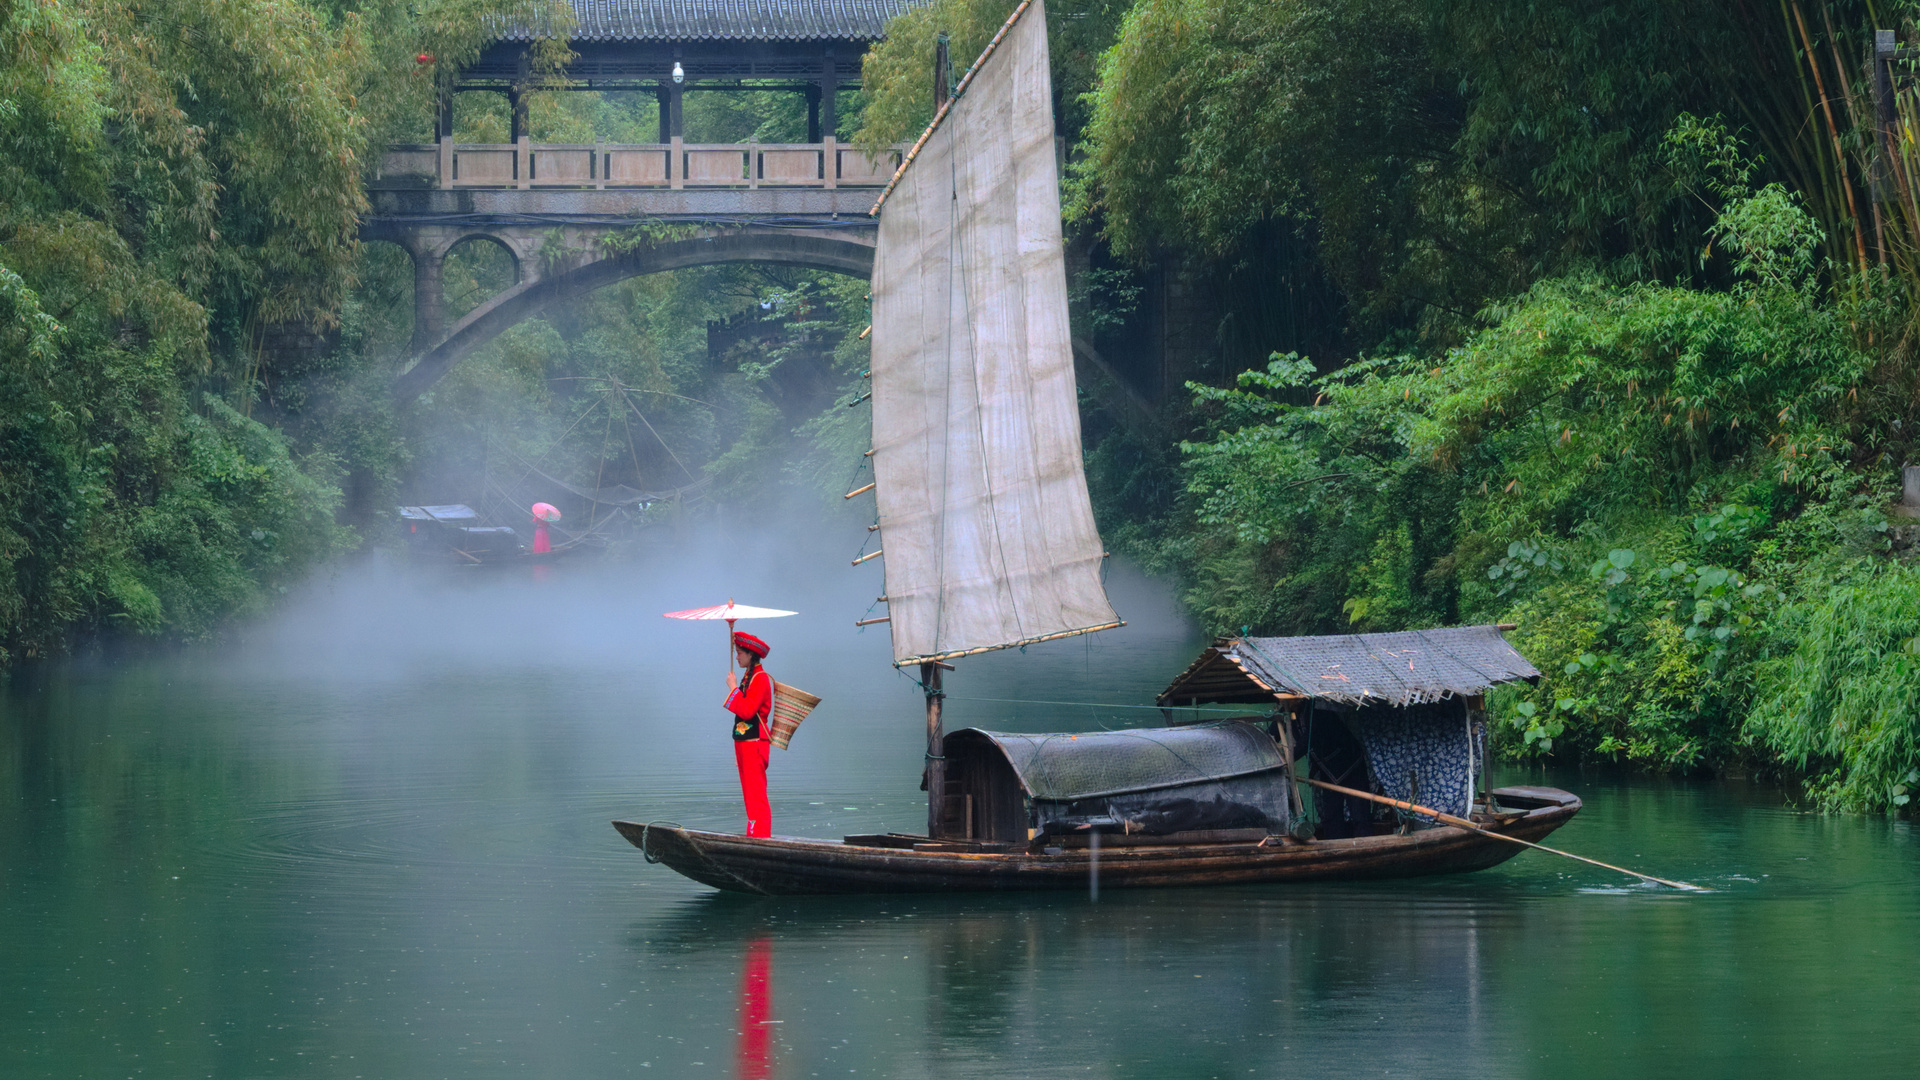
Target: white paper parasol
column 731, row 613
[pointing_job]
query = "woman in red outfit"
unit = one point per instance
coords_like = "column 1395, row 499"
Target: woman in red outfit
column 751, row 702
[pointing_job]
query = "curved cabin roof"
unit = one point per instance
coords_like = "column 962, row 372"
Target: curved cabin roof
column 1405, row 668
column 1095, row 764
column 622, row 21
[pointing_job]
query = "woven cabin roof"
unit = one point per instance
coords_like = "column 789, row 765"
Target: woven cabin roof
column 727, row 20
column 1404, row 668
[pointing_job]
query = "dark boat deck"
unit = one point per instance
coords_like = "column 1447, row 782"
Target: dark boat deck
column 781, row 866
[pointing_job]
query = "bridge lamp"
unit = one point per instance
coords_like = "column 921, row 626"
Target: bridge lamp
column 679, row 73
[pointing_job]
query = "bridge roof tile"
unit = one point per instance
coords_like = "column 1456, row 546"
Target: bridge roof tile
column 728, row 20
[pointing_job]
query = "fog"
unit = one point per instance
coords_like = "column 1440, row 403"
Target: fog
column 573, row 664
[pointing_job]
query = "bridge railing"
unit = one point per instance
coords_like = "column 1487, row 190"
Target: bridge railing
column 674, row 165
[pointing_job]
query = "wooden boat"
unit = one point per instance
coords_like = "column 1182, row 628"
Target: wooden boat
column 1204, row 803
column 784, row 866
column 988, row 542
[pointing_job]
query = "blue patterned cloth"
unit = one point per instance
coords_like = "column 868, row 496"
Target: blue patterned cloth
column 1421, row 754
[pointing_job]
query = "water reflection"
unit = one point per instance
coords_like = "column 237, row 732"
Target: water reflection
column 755, row 1058
column 374, row 843
column 1149, row 984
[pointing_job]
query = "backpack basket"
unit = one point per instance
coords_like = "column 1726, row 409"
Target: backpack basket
column 790, row 706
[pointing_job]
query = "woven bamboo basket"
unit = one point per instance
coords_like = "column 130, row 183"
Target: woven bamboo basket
column 790, row 706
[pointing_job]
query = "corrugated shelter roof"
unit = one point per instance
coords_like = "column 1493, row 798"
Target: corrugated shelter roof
column 1096, row 764
column 1404, row 668
column 727, row 20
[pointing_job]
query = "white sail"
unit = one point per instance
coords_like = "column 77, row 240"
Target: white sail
column 985, row 525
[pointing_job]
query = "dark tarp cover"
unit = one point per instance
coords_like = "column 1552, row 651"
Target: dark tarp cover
column 1223, row 775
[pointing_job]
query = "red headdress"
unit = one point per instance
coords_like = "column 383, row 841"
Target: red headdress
column 744, row 640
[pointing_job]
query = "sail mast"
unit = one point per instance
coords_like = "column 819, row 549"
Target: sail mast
column 936, row 749
column 936, row 769
column 982, row 497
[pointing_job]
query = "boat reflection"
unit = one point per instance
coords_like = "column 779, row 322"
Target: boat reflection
column 1166, row 984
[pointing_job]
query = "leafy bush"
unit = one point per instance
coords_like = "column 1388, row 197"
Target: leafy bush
column 1843, row 708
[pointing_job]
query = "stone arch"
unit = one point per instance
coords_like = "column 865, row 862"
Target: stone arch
column 844, row 251
column 474, row 267
column 445, row 249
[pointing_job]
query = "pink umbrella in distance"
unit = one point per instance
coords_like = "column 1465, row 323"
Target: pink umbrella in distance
column 731, row 612
column 543, row 513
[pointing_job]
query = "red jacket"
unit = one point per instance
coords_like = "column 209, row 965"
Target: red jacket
column 750, row 705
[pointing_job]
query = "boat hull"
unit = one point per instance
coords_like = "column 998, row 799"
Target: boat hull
column 787, row 866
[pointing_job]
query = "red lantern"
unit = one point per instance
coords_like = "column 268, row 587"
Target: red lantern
column 424, row 58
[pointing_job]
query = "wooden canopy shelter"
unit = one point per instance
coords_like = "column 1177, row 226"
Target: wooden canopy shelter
column 812, row 47
column 1398, row 714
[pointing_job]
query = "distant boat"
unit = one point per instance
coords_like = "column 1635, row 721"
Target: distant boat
column 988, row 542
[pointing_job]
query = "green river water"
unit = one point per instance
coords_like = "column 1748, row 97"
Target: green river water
column 369, row 838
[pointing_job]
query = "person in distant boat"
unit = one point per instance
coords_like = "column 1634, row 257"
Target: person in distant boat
column 542, row 514
column 750, row 700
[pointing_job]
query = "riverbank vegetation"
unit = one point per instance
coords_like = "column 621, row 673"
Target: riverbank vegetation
column 1633, row 364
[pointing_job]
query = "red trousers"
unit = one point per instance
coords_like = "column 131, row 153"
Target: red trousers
column 751, row 756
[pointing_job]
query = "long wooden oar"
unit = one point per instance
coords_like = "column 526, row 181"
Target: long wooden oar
column 1463, row 823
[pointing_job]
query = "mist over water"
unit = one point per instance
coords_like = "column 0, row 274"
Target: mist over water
column 368, row 837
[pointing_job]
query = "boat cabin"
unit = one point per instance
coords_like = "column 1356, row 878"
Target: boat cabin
column 1011, row 788
column 1395, row 714
column 453, row 531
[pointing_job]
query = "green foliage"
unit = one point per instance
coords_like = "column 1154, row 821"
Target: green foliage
column 1773, row 237
column 1644, row 478
column 1841, row 707
column 181, row 177
column 896, row 98
column 1442, row 156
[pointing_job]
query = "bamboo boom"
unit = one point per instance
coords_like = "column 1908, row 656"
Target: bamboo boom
column 1463, row 823
column 1009, row 645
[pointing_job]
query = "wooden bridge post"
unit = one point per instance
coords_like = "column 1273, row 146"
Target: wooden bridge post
column 522, row 142
column 829, row 123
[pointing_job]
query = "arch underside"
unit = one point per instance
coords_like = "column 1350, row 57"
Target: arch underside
column 848, row 252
